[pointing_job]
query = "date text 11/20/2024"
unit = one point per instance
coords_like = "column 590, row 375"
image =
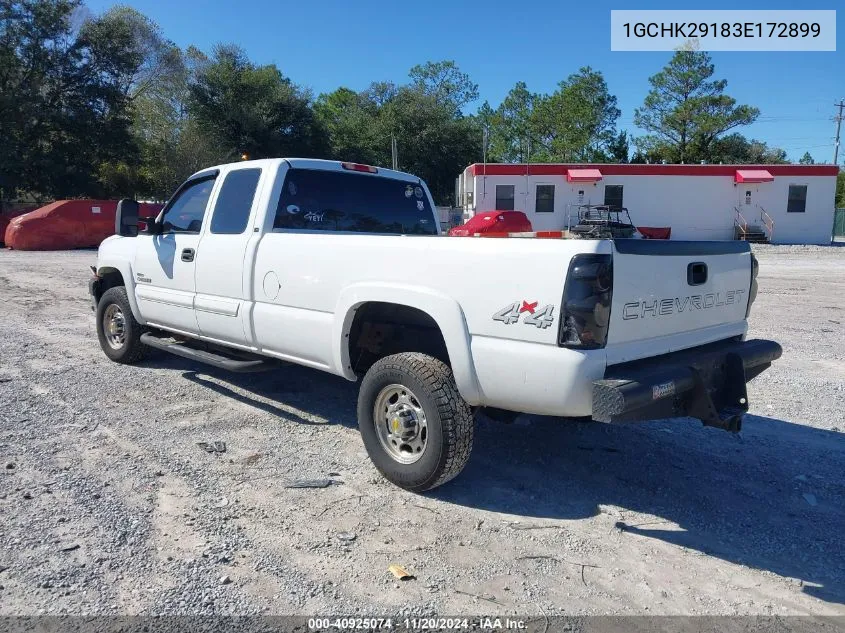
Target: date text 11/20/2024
column 417, row 624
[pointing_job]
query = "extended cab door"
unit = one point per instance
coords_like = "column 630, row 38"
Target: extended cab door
column 164, row 264
column 223, row 277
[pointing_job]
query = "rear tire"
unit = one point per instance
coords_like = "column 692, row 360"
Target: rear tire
column 416, row 427
column 117, row 329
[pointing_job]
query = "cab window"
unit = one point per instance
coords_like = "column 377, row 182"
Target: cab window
column 185, row 212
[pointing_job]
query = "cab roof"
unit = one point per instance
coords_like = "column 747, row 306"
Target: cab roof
column 305, row 163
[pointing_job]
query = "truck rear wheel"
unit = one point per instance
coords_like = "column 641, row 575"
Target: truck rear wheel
column 117, row 329
column 416, row 427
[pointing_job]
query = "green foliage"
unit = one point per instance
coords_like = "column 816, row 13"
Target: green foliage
column 619, row 148
column 807, row 159
column 445, row 83
column 736, row 149
column 62, row 110
column 685, row 111
column 510, row 126
column 840, row 190
column 252, row 110
column 434, row 140
column 576, row 123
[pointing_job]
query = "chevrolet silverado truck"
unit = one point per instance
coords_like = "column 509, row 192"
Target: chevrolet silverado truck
column 341, row 267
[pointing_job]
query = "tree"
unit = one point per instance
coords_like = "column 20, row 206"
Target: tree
column 686, row 111
column 133, row 47
column 806, row 159
column 577, row 122
column 62, row 112
column 619, row 148
column 253, row 110
column 510, row 125
column 350, row 122
column 736, row 149
column 840, row 190
column 433, row 141
column 444, row 82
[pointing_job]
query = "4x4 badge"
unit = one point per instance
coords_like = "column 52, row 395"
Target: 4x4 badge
column 538, row 317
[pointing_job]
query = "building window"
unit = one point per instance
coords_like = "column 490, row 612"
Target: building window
column 797, row 200
column 613, row 195
column 545, row 199
column 504, row 197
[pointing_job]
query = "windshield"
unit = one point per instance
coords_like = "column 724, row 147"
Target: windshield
column 318, row 200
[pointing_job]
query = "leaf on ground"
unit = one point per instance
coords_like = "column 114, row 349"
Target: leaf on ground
column 400, row 572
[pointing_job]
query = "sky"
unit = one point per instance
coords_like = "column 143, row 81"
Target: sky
column 324, row 44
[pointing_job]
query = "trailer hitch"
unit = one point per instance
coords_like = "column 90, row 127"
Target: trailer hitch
column 732, row 397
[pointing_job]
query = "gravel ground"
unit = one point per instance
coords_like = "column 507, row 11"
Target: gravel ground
column 109, row 506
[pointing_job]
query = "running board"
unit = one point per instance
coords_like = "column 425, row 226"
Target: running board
column 209, row 358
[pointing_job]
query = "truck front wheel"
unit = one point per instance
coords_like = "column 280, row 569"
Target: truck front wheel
column 117, row 329
column 416, row 427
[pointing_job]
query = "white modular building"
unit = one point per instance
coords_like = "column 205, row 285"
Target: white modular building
column 788, row 204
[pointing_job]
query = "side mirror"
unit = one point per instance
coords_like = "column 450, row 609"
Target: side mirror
column 126, row 218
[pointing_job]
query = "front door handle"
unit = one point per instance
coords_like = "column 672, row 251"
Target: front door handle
column 187, row 254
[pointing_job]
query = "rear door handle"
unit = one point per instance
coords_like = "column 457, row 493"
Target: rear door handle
column 187, row 254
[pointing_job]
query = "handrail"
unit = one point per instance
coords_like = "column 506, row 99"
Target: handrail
column 768, row 221
column 742, row 225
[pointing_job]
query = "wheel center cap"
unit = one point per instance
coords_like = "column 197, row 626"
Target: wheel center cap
column 405, row 425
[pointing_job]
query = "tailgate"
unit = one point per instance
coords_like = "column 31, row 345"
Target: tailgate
column 671, row 295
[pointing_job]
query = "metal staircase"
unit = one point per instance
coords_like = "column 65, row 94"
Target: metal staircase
column 760, row 232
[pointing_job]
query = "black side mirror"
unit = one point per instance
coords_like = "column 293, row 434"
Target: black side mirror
column 126, row 218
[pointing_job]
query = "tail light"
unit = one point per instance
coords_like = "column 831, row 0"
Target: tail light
column 752, row 289
column 359, row 167
column 585, row 313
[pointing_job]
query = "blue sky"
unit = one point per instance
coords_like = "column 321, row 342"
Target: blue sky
column 324, row 44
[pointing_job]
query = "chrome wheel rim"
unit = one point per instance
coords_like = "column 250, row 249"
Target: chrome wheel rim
column 114, row 326
column 400, row 424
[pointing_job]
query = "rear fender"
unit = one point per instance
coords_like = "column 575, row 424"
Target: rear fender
column 445, row 311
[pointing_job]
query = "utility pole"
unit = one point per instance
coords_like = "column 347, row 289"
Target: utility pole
column 394, row 151
column 838, row 119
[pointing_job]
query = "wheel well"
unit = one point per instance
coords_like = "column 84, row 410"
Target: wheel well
column 381, row 329
column 109, row 278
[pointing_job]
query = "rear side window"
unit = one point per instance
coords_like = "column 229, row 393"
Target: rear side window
column 231, row 211
column 318, row 200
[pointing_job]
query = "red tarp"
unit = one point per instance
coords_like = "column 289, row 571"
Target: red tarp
column 493, row 221
column 655, row 232
column 6, row 217
column 67, row 224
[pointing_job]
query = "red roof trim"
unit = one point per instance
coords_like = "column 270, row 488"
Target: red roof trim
column 583, row 175
column 753, row 175
column 560, row 169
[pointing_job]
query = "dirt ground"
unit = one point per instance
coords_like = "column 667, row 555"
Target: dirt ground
column 109, row 506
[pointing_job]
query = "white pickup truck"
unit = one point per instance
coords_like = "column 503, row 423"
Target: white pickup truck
column 341, row 267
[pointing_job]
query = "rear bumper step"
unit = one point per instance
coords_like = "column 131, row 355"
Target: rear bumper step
column 208, row 357
column 705, row 382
